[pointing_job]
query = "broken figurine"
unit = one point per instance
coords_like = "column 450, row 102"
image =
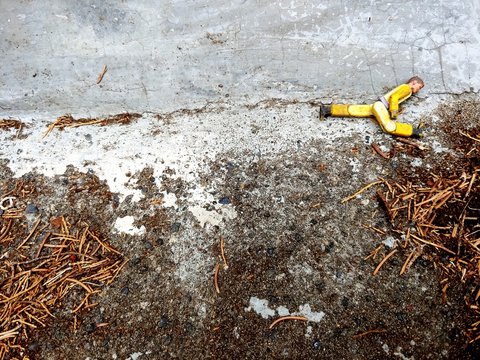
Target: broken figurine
column 384, row 110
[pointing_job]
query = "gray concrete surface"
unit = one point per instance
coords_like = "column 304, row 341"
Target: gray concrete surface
column 167, row 55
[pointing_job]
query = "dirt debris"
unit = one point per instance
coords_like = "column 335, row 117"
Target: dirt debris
column 46, row 268
column 68, row 121
column 438, row 215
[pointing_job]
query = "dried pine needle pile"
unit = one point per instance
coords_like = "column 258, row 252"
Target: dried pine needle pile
column 53, row 266
column 67, row 121
column 7, row 124
column 440, row 219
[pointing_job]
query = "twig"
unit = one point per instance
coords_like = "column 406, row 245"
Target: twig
column 366, row 187
column 390, row 254
column 302, row 318
column 369, row 332
column 412, row 143
column 379, row 151
column 215, row 278
column 222, row 249
column 469, row 136
column 102, row 74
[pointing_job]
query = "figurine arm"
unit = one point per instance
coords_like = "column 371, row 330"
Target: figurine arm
column 398, row 95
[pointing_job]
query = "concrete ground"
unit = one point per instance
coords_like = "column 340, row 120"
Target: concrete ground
column 229, row 139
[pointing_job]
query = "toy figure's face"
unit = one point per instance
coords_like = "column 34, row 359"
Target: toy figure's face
column 415, row 86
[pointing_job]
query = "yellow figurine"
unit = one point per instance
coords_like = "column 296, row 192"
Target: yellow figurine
column 384, row 110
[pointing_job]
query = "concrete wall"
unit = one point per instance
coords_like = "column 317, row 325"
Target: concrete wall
column 167, row 55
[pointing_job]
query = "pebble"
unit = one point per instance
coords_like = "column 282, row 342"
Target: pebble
column 91, row 328
column 167, row 340
column 160, row 241
column 271, row 251
column 148, row 245
column 297, row 237
column 317, row 345
column 31, row 209
column 164, row 322
column 125, row 291
column 320, row 286
column 329, row 247
column 189, row 327
column 224, row 201
column 176, row 227
column 400, row 316
column 135, row 261
column 345, row 302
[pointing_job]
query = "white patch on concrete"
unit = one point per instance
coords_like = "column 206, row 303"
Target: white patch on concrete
column 355, row 164
column 203, row 215
column 134, row 356
column 398, row 352
column 260, row 306
column 308, row 332
column 438, row 148
column 125, row 225
column 169, row 200
column 305, row 310
column 390, row 242
column 416, row 162
column 214, row 217
column 283, row 311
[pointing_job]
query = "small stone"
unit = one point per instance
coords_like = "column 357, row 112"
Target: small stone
column 271, row 251
column 320, row 286
column 224, row 201
column 148, row 245
column 88, row 137
column 400, row 316
column 297, row 237
column 345, row 302
column 1, row 212
column 164, row 322
column 317, row 344
column 125, row 291
column 313, row 222
column 160, row 241
column 167, row 340
column 189, row 327
column 31, row 209
column 90, row 328
column 175, row 227
column 329, row 247
column 135, row 261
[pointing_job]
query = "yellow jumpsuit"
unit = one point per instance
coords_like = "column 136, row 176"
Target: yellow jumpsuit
column 384, row 111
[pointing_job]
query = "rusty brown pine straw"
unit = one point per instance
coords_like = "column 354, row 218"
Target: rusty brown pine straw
column 45, row 269
column 68, row 121
column 439, row 220
column 300, row 318
column 7, row 124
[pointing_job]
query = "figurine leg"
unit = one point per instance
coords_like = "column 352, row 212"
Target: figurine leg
column 388, row 125
column 351, row 110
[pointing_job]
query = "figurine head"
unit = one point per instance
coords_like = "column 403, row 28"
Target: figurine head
column 416, row 84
